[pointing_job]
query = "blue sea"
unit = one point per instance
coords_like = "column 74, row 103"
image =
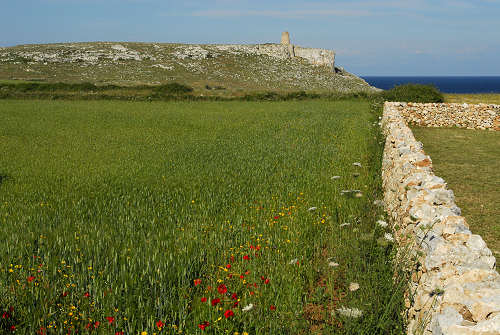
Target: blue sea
column 457, row 84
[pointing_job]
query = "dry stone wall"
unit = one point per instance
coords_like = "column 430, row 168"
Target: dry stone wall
column 454, row 288
column 480, row 116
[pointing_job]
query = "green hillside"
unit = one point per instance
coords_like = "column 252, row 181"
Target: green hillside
column 219, row 70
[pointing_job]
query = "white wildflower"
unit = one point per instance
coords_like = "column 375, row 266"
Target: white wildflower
column 357, row 164
column 389, row 237
column 353, row 287
column 350, row 312
column 345, row 224
column 333, row 264
column 382, row 223
column 247, row 308
column 312, row 209
column 335, row 177
column 293, row 261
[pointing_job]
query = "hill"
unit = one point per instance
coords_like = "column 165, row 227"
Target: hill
column 224, row 70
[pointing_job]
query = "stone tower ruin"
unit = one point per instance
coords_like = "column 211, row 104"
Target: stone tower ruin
column 285, row 38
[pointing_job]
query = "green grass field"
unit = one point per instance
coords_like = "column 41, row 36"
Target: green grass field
column 487, row 98
column 193, row 217
column 468, row 161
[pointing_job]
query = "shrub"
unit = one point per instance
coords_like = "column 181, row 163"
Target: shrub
column 413, row 93
column 173, row 88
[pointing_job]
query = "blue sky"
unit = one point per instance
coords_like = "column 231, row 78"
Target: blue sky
column 393, row 37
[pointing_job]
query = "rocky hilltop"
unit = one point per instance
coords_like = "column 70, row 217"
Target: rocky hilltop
column 235, row 68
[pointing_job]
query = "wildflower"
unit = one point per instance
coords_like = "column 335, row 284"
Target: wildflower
column 144, row 333
column 229, row 313
column 335, row 177
column 160, row 324
column 272, row 308
column 234, row 296
column 353, row 287
column 247, row 308
column 345, row 224
column 30, row 279
column 266, row 281
column 5, row 315
column 333, row 264
column 242, row 276
column 65, row 293
column 203, row 299
column 382, row 224
column 110, row 319
column 357, row 164
column 246, row 257
column 222, row 289
column 389, row 237
column 203, row 325
column 312, row 209
column 215, row 301
column 236, row 303
column 228, row 266
column 293, row 261
column 244, row 333
column 118, row 333
column 12, row 328
column 197, row 282
column 96, row 324
column 350, row 312
column 358, row 195
column 86, row 294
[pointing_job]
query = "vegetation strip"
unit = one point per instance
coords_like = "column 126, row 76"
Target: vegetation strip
column 197, row 217
column 455, row 288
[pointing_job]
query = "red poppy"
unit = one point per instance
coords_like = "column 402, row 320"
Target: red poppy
column 118, row 333
column 266, row 281
column 110, row 319
column 222, row 289
column 42, row 331
column 232, row 258
column 5, row 315
column 228, row 313
column 255, row 285
column 272, row 307
column 252, row 247
column 64, row 294
column 215, row 301
column 160, row 324
column 197, row 282
column 276, row 217
column 203, row 299
column 30, row 279
column 252, row 293
column 247, row 272
column 88, row 325
column 242, row 276
column 262, row 278
column 12, row 328
column 86, row 294
column 228, row 266
column 203, row 325
column 236, row 303
column 234, row 296
column 96, row 324
column 246, row 257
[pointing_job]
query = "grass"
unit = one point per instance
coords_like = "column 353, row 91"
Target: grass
column 489, row 98
column 468, row 161
column 121, row 216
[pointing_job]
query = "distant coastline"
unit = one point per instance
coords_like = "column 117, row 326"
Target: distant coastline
column 446, row 84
